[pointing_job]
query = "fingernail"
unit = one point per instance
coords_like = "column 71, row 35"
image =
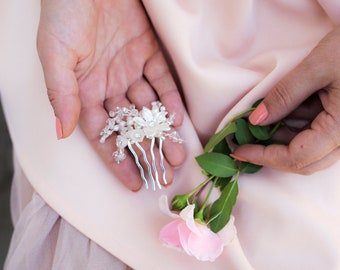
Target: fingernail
column 259, row 114
column 238, row 158
column 59, row 128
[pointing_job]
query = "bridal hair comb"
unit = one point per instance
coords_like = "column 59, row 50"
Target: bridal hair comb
column 133, row 127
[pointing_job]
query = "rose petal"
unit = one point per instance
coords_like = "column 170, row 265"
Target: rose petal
column 187, row 214
column 195, row 238
column 169, row 234
column 205, row 247
column 184, row 234
column 164, row 206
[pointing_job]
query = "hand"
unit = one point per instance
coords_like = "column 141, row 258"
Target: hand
column 316, row 147
column 97, row 55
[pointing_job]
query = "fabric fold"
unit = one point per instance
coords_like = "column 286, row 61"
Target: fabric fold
column 221, row 72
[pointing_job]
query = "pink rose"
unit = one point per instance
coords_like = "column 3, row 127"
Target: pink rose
column 195, row 237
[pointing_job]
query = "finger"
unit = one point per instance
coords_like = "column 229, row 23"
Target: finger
column 141, row 93
column 307, row 110
column 322, row 164
column 174, row 152
column 306, row 148
column 311, row 75
column 158, row 75
column 126, row 171
column 62, row 87
column 110, row 104
column 92, row 121
column 152, row 163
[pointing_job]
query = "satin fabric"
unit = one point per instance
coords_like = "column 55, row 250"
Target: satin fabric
column 227, row 54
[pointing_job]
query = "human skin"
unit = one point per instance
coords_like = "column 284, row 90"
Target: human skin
column 91, row 64
column 317, row 146
column 97, row 55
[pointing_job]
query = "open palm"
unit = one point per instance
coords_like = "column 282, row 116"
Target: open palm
column 98, row 55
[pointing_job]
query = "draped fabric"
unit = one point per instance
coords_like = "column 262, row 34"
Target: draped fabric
column 43, row 240
column 71, row 213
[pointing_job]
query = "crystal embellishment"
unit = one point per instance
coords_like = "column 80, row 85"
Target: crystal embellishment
column 132, row 127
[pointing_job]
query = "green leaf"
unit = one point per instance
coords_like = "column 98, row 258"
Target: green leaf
column 222, row 147
column 206, row 212
column 221, row 183
column 262, row 133
column 219, row 136
column 217, row 164
column 247, row 167
column 221, row 209
column 243, row 134
column 257, row 103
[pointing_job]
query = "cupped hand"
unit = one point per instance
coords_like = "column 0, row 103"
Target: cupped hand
column 97, row 55
column 317, row 146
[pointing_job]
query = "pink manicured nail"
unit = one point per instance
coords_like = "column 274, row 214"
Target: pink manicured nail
column 238, row 158
column 59, row 128
column 259, row 115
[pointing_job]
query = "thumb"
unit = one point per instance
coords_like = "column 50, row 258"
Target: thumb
column 308, row 77
column 62, row 86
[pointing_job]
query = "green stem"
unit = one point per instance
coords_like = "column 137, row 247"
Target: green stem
column 200, row 213
column 236, row 175
column 200, row 186
column 275, row 128
column 241, row 114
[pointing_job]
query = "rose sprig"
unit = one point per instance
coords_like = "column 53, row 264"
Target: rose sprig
column 223, row 171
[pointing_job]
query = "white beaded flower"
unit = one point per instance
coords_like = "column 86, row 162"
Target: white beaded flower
column 133, row 126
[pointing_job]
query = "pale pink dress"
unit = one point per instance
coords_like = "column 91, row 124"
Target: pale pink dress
column 69, row 211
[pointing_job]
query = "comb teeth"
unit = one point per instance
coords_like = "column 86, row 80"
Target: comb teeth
column 133, row 127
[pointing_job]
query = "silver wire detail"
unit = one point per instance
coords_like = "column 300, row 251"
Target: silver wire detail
column 132, row 128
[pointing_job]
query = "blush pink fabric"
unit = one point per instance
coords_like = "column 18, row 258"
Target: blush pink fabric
column 227, row 54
